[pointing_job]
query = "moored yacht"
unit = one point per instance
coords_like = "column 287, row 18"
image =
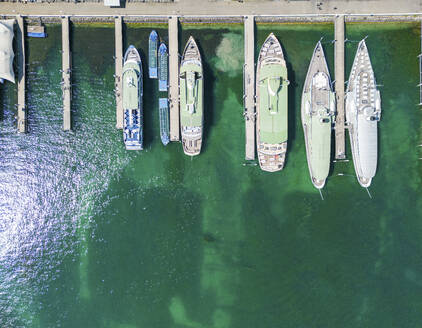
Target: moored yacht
column 271, row 106
column 317, row 112
column 132, row 100
column 191, row 99
column 363, row 112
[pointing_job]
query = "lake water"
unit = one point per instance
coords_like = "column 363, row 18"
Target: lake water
column 92, row 235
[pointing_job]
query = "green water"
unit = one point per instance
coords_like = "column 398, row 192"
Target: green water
column 92, row 235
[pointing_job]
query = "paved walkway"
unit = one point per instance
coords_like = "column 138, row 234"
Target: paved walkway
column 21, row 75
column 339, row 83
column 249, row 88
column 66, row 86
column 174, row 78
column 205, row 7
column 118, row 38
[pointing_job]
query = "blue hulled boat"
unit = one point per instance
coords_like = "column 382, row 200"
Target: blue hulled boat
column 164, row 120
column 162, row 67
column 152, row 54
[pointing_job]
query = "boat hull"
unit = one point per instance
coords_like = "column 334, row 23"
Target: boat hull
column 191, row 99
column 363, row 112
column 317, row 112
column 272, row 100
column 162, row 68
column 132, row 100
column 152, row 55
column 164, row 121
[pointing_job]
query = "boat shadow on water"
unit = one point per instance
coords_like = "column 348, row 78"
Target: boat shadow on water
column 2, row 96
column 291, row 107
column 209, row 85
column 149, row 101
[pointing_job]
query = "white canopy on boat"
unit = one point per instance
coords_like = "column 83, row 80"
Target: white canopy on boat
column 112, row 3
column 6, row 50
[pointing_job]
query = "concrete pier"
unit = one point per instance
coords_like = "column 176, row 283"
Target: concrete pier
column 339, row 86
column 420, row 70
column 118, row 37
column 213, row 8
column 249, row 87
column 20, row 36
column 174, row 78
column 66, row 79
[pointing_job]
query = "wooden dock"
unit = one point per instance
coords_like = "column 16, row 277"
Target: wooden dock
column 339, row 86
column 174, row 78
column 21, row 74
column 118, row 37
column 66, row 78
column 249, row 87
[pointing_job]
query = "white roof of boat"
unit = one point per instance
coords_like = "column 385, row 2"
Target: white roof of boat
column 112, row 3
column 320, row 80
column 368, row 146
column 6, row 50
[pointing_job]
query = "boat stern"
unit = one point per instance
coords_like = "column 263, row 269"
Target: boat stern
column 132, row 138
column 162, row 85
column 192, row 140
column 133, row 147
column 165, row 139
column 192, row 147
column 153, row 72
column 272, row 157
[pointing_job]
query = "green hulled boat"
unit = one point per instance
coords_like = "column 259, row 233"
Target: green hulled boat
column 317, row 111
column 191, row 99
column 271, row 108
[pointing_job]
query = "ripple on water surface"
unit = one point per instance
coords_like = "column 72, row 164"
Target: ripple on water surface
column 94, row 236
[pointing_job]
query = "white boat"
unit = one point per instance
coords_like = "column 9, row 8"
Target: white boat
column 363, row 112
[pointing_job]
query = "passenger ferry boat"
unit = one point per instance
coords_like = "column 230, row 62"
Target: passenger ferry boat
column 191, row 99
column 164, row 120
column 152, row 54
column 318, row 109
column 162, row 67
column 271, row 108
column 363, row 112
